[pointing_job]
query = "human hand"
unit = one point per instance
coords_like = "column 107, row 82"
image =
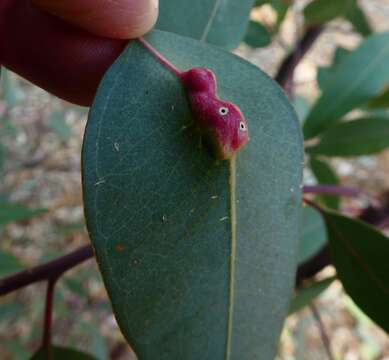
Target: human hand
column 66, row 46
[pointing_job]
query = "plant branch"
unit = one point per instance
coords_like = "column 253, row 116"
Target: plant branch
column 48, row 271
column 286, row 70
column 48, row 317
column 332, row 189
column 324, row 337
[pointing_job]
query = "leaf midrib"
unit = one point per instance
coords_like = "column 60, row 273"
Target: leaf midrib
column 212, row 16
column 232, row 184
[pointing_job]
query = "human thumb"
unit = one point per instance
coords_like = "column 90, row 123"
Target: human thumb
column 119, row 19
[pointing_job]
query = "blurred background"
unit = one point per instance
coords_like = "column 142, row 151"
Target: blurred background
column 40, row 145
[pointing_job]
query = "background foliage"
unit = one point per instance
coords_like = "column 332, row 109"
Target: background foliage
column 344, row 119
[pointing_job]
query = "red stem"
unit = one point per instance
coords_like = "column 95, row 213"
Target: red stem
column 47, row 271
column 285, row 72
column 48, row 318
column 332, row 189
column 165, row 62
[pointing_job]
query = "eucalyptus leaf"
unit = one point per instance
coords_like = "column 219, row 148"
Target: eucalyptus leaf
column 360, row 255
column 314, row 234
column 306, row 295
column 219, row 22
column 198, row 255
column 324, row 174
column 362, row 136
column 381, row 101
column 301, row 105
column 358, row 19
column 361, row 76
column 326, row 74
column 257, row 35
column 321, row 11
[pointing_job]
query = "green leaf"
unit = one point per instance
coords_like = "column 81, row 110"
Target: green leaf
column 324, row 174
column 184, row 281
column 358, row 19
column 353, row 138
column 281, row 7
column 58, row 124
column 219, row 22
column 257, row 35
column 360, row 255
column 62, row 353
column 9, row 263
column 321, row 11
column 362, row 75
column 301, row 105
column 380, row 101
column 314, row 234
column 326, row 74
column 13, row 212
column 304, row 296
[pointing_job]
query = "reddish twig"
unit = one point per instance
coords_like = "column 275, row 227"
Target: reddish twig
column 324, row 337
column 50, row 270
column 332, row 190
column 286, row 70
column 48, row 317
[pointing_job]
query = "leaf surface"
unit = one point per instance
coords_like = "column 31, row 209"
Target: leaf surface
column 219, row 22
column 360, row 255
column 363, row 74
column 306, row 295
column 314, row 235
column 198, row 255
column 363, row 136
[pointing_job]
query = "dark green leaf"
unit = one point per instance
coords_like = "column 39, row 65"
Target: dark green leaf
column 9, row 263
column 362, row 75
column 360, row 255
column 281, row 7
column 306, row 295
column 13, row 212
column 358, row 19
column 314, row 234
column 353, row 138
column 185, row 283
column 326, row 74
column 321, row 11
column 62, row 353
column 260, row 2
column 58, row 124
column 257, row 35
column 380, row 101
column 219, row 22
column 324, row 174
